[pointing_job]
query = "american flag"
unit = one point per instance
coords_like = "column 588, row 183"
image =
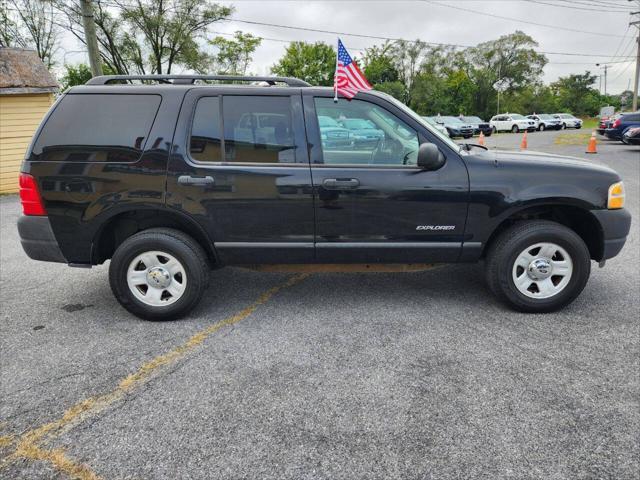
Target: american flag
column 348, row 79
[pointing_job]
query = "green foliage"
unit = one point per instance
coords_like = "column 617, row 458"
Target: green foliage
column 149, row 36
column 378, row 65
column 576, row 95
column 79, row 75
column 234, row 56
column 314, row 63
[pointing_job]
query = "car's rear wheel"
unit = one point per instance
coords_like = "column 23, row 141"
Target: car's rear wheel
column 515, row 129
column 159, row 274
column 538, row 266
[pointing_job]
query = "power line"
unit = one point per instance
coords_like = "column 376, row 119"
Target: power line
column 393, row 39
column 555, row 27
column 572, row 6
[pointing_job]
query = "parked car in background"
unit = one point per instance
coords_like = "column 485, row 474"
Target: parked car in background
column 631, row 136
column 362, row 132
column 606, row 123
column 438, row 126
column 568, row 121
column 544, row 121
column 621, row 124
column 478, row 125
column 511, row 122
column 332, row 135
column 455, row 127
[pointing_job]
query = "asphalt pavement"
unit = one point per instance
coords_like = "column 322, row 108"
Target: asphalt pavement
column 419, row 375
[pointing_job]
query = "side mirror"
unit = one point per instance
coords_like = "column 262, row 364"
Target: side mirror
column 430, row 157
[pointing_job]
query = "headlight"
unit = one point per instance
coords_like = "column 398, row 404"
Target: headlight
column 616, row 196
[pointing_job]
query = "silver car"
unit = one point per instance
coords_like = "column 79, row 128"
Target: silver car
column 545, row 121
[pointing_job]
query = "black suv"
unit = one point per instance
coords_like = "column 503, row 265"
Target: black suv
column 170, row 176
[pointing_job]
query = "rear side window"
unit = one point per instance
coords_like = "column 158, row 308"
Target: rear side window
column 205, row 143
column 97, row 128
column 632, row 118
column 258, row 129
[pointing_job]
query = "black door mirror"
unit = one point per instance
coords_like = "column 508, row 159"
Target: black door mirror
column 430, row 157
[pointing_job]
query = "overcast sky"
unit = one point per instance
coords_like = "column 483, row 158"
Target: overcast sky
column 446, row 21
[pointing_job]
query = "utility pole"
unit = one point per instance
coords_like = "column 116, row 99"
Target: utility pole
column 637, row 75
column 91, row 38
column 606, row 67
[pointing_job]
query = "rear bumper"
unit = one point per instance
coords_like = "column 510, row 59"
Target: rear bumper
column 615, row 225
column 38, row 240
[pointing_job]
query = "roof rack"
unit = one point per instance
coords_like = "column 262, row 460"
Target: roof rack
column 191, row 79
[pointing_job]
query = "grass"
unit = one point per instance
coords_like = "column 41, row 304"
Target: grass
column 572, row 138
column 590, row 123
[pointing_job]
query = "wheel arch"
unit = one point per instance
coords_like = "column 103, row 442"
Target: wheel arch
column 580, row 220
column 122, row 225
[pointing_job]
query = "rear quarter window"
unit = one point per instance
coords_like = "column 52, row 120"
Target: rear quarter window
column 97, row 128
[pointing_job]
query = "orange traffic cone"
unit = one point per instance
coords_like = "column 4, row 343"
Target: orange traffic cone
column 481, row 139
column 523, row 144
column 591, row 148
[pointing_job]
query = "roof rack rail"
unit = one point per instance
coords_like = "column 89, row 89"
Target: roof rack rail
column 191, row 79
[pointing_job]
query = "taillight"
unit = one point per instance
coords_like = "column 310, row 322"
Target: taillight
column 30, row 196
column 616, row 124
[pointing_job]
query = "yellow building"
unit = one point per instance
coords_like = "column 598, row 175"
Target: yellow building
column 26, row 93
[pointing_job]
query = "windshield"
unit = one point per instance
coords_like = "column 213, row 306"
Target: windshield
column 454, row 120
column 472, row 119
column 517, row 116
column 356, row 123
column 325, row 121
column 421, row 121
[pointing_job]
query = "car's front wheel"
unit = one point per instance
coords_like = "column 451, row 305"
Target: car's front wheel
column 159, row 274
column 564, row 126
column 538, row 266
column 494, row 129
column 541, row 127
column 515, row 129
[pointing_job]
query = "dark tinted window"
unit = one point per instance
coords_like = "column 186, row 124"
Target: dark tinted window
column 634, row 117
column 97, row 128
column 205, row 133
column 258, row 129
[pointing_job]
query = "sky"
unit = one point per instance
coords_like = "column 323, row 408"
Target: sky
column 597, row 28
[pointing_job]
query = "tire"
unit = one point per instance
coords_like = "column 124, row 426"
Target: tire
column 578, row 127
column 494, row 129
column 488, row 134
column 515, row 129
column 467, row 136
column 186, row 275
column 541, row 127
column 564, row 126
column 507, row 249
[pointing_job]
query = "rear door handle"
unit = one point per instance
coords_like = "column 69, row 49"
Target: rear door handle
column 189, row 180
column 340, row 183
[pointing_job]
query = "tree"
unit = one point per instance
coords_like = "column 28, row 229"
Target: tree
column 576, row 95
column 234, row 56
column 149, row 36
column 31, row 26
column 408, row 58
column 78, row 75
column 378, row 64
column 314, row 63
column 510, row 60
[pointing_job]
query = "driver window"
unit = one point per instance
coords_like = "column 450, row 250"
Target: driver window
column 357, row 132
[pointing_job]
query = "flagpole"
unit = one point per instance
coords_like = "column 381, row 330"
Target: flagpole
column 335, row 84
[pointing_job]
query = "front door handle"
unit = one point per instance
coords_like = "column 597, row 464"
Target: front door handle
column 340, row 183
column 189, row 180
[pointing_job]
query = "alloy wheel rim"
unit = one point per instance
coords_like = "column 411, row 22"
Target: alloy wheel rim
column 542, row 270
column 156, row 278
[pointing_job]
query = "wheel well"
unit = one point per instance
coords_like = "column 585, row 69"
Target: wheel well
column 575, row 218
column 122, row 226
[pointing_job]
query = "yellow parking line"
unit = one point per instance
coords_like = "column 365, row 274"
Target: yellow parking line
column 28, row 445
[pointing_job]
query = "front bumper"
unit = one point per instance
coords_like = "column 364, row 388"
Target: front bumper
column 38, row 240
column 615, row 225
